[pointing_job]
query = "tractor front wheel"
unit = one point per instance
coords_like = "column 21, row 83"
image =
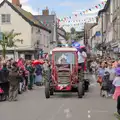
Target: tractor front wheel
column 51, row 91
column 83, row 90
column 47, row 90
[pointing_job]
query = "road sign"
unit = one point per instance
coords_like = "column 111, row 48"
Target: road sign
column 1, row 36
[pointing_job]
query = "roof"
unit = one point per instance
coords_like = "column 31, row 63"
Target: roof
column 62, row 29
column 27, row 16
column 105, row 7
column 64, row 49
column 94, row 25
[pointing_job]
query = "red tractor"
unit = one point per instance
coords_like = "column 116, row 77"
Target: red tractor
column 64, row 73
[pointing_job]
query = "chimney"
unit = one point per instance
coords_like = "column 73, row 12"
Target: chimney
column 16, row 2
column 45, row 12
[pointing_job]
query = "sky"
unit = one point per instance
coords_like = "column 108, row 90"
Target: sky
column 62, row 8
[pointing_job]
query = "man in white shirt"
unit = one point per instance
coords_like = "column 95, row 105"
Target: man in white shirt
column 81, row 59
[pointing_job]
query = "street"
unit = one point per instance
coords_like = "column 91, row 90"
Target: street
column 32, row 105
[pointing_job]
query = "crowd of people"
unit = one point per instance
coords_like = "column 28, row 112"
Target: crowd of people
column 16, row 77
column 19, row 76
column 108, row 76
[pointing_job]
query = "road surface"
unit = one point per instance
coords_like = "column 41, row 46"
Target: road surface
column 32, row 105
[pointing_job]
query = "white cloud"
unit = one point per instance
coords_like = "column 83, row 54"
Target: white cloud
column 26, row 6
column 29, row 9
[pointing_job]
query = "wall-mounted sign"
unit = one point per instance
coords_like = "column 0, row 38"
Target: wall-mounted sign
column 98, row 33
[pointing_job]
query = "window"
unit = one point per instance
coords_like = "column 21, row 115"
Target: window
column 5, row 18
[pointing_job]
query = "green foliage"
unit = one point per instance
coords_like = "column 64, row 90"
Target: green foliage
column 72, row 30
column 67, row 36
column 9, row 41
column 59, row 44
column 79, row 35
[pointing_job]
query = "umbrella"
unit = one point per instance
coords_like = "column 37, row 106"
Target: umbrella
column 76, row 45
column 37, row 62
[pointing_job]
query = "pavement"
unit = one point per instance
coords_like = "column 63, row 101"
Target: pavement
column 33, row 105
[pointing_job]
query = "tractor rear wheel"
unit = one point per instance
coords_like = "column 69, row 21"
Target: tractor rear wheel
column 47, row 90
column 80, row 89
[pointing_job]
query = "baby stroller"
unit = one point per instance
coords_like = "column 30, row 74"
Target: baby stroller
column 4, row 85
column 2, row 97
column 105, row 85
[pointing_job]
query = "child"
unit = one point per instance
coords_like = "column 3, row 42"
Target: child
column 116, row 83
column 101, row 72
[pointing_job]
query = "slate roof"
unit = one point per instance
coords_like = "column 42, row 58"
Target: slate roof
column 105, row 7
column 27, row 16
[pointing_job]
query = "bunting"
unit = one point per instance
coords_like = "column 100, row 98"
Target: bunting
column 99, row 6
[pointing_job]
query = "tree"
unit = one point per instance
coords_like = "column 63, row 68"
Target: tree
column 8, row 40
column 72, row 30
column 79, row 35
column 67, row 36
column 59, row 44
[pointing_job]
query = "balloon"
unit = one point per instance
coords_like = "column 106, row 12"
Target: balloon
column 76, row 45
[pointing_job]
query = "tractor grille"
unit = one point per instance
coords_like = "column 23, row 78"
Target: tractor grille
column 64, row 77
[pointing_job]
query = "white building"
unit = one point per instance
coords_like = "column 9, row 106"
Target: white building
column 61, row 36
column 33, row 33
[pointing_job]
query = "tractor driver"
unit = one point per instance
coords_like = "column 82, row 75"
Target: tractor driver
column 81, row 59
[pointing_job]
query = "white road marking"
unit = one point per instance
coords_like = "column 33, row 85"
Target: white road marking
column 89, row 111
column 89, row 116
column 67, row 113
column 58, row 111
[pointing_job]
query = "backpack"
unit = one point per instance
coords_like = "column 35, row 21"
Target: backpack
column 13, row 77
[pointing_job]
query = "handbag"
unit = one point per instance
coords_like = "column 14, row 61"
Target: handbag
column 99, row 80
